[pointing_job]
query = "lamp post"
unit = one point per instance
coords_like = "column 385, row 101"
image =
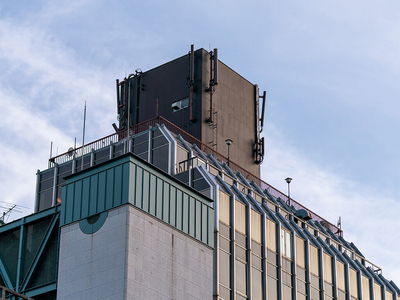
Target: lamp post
column 228, row 142
column 288, row 180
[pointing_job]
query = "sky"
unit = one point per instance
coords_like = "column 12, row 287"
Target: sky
column 331, row 70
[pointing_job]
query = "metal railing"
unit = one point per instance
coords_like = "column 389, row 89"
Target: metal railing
column 6, row 294
column 113, row 138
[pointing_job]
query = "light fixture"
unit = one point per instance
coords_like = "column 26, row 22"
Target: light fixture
column 288, row 180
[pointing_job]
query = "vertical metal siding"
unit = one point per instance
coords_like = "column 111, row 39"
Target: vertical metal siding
column 131, row 181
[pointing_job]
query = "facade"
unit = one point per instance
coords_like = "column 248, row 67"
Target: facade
column 158, row 213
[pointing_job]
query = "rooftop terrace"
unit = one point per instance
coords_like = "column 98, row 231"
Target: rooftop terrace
column 83, row 152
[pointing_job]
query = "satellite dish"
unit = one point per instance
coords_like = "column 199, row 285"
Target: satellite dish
column 70, row 151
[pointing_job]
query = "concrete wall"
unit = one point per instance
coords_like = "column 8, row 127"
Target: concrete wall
column 164, row 263
column 92, row 266
column 234, row 115
column 133, row 256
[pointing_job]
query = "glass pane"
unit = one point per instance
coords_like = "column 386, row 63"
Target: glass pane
column 389, row 295
column 272, row 289
column 181, row 154
column 240, row 252
column 314, row 260
column 224, row 268
column 314, row 293
column 224, row 230
column 272, row 270
column 46, row 271
column 241, row 277
column 340, row 275
column 301, row 296
column 377, row 291
column 286, row 292
column 341, row 295
column 240, row 217
column 240, row 239
column 224, row 293
column 256, row 285
column 288, row 243
column 223, row 209
column 300, row 258
column 256, row 226
column 327, row 268
column 224, row 243
column 160, row 158
column 256, row 262
column 45, row 199
column 9, row 244
column 353, row 282
column 365, row 288
column 301, row 286
column 271, row 235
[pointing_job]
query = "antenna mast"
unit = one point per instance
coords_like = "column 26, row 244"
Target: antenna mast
column 8, row 209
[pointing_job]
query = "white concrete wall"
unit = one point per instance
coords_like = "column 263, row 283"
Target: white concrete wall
column 164, row 263
column 133, row 256
column 93, row 266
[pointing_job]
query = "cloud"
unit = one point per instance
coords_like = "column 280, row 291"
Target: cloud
column 369, row 217
column 42, row 92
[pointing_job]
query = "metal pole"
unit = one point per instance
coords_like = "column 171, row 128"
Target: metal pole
column 129, row 106
column 228, row 155
column 51, row 153
column 83, row 138
column 288, row 180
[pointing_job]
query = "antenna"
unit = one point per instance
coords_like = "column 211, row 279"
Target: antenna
column 191, row 82
column 215, row 66
column 83, row 138
column 51, row 153
column 264, row 96
column 8, row 208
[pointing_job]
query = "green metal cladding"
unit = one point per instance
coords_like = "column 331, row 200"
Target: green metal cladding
column 127, row 179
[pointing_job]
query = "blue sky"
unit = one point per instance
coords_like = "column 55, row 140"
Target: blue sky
column 331, row 70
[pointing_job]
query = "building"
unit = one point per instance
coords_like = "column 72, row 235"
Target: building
column 159, row 213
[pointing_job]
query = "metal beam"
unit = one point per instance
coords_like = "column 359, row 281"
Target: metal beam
column 4, row 273
column 4, row 290
column 40, row 252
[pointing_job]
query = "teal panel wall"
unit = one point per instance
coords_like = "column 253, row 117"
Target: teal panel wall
column 127, row 179
column 95, row 190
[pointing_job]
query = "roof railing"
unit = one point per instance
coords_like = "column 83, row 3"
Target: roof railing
column 113, row 138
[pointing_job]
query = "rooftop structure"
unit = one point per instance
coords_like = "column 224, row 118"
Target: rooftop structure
column 157, row 213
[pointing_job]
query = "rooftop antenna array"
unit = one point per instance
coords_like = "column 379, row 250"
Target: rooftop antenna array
column 213, row 80
column 9, row 208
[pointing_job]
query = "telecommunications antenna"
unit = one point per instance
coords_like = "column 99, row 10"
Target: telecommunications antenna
column 7, row 208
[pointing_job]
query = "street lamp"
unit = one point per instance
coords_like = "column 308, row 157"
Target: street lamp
column 288, row 180
column 228, row 142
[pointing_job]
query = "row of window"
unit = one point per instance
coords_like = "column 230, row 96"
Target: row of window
column 241, row 262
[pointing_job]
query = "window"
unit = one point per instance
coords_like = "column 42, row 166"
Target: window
column 300, row 252
column 314, row 260
column 223, row 207
column 271, row 235
column 365, row 288
column 240, row 217
column 389, row 295
column 327, row 268
column 180, row 104
column 286, row 243
column 377, row 291
column 340, row 275
column 353, row 283
column 256, row 226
